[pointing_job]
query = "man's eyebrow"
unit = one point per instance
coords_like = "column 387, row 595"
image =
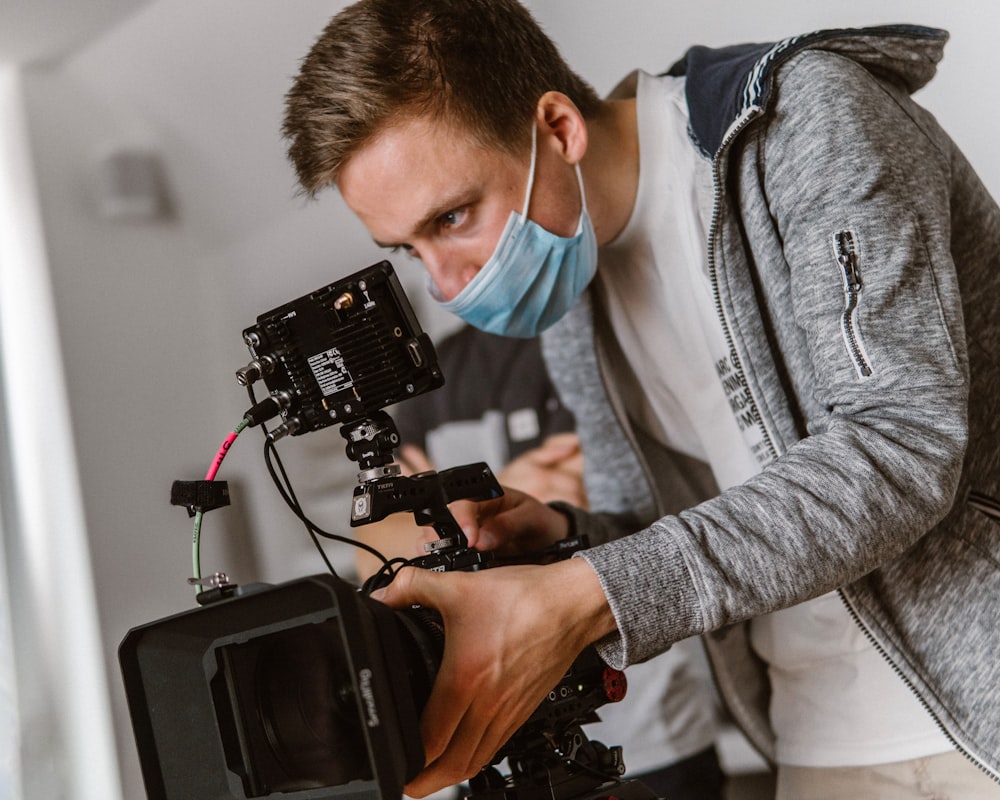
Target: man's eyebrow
column 458, row 199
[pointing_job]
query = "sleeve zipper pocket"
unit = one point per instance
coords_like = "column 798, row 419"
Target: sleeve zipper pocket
column 846, row 251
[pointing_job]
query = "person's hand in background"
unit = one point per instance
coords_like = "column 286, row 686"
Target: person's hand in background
column 552, row 471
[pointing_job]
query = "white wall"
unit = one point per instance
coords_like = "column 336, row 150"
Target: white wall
column 607, row 39
column 57, row 736
column 151, row 312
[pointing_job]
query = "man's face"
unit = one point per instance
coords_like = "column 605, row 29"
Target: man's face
column 425, row 188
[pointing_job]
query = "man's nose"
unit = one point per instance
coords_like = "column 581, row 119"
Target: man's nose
column 446, row 272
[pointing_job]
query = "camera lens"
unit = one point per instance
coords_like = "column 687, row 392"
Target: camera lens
column 308, row 709
column 295, row 722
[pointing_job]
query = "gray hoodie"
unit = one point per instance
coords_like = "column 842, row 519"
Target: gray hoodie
column 855, row 258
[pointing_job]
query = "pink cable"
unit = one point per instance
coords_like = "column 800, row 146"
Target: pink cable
column 214, row 469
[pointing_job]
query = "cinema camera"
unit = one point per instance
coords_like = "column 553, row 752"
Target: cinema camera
column 310, row 689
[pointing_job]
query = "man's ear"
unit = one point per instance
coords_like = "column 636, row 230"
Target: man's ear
column 561, row 125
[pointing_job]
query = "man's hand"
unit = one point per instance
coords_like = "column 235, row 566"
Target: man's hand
column 511, row 633
column 513, row 524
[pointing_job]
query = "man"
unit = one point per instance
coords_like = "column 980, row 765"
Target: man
column 794, row 311
column 499, row 405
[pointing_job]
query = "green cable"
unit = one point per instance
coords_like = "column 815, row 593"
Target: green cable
column 195, row 550
column 196, row 535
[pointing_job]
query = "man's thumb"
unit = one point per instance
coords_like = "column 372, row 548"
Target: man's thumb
column 408, row 587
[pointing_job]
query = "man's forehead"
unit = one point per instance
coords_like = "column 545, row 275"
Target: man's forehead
column 428, row 130
column 403, row 148
column 413, row 171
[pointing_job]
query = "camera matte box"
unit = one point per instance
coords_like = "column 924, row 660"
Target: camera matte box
column 283, row 691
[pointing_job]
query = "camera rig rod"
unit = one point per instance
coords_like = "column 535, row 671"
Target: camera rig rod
column 382, row 491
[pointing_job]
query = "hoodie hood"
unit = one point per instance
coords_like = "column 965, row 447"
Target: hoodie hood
column 723, row 84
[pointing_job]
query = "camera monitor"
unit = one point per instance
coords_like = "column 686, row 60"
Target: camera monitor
column 341, row 353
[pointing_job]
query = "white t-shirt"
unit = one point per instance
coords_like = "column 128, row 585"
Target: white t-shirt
column 835, row 699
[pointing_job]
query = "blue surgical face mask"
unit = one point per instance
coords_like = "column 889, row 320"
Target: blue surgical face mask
column 533, row 277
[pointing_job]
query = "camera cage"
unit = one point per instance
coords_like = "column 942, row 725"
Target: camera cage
column 237, row 699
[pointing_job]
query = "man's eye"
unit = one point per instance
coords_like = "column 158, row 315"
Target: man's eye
column 407, row 250
column 451, row 218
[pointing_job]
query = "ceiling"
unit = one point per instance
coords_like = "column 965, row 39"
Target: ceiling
column 38, row 30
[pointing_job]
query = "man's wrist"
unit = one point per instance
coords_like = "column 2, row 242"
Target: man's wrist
column 580, row 589
column 568, row 511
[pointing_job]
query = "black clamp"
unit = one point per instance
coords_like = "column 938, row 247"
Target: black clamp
column 198, row 496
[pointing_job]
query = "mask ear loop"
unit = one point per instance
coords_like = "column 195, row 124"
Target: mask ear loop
column 583, row 194
column 531, row 171
column 531, row 182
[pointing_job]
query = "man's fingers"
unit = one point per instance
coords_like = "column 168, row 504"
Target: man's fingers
column 471, row 746
column 446, row 707
column 457, row 766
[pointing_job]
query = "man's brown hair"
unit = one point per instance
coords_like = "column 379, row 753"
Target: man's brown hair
column 479, row 64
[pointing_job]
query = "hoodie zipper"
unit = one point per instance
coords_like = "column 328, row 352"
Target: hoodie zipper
column 745, row 118
column 961, row 748
column 846, row 249
column 756, row 739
